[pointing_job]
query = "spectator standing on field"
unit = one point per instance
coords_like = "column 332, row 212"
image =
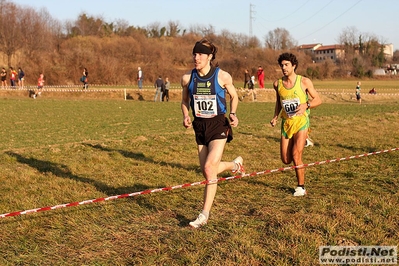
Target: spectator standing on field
column 261, row 77
column 247, row 78
column 251, row 88
column 159, row 85
column 204, row 91
column 85, row 78
column 166, row 90
column 3, row 75
column 358, row 96
column 13, row 76
column 140, row 78
column 21, row 77
column 292, row 102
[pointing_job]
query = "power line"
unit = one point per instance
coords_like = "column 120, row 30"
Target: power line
column 289, row 15
column 311, row 16
column 263, row 26
column 331, row 20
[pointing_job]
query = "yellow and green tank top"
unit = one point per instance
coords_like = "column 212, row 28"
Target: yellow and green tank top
column 290, row 99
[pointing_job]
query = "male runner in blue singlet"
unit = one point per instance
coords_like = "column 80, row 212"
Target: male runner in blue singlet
column 204, row 91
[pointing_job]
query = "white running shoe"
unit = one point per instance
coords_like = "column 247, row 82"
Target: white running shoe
column 239, row 166
column 200, row 221
column 309, row 142
column 299, row 191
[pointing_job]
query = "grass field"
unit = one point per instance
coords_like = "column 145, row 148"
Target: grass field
column 61, row 150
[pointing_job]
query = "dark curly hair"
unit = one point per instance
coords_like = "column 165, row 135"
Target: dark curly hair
column 288, row 57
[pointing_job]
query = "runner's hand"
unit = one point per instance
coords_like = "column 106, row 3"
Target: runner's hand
column 187, row 122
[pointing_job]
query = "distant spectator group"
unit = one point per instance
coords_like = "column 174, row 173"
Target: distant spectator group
column 392, row 69
column 14, row 77
column 249, row 81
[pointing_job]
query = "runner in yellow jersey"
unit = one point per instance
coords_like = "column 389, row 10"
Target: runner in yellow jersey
column 292, row 101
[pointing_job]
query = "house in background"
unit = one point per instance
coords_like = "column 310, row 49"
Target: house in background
column 388, row 50
column 332, row 52
column 320, row 53
column 309, row 47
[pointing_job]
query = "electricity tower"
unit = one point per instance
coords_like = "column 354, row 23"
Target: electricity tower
column 251, row 17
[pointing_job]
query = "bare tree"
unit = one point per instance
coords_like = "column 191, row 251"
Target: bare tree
column 374, row 50
column 365, row 45
column 253, row 42
column 154, row 30
column 39, row 30
column 121, row 27
column 10, row 33
column 208, row 30
column 349, row 38
column 87, row 25
column 395, row 57
column 173, row 28
column 279, row 39
column 202, row 30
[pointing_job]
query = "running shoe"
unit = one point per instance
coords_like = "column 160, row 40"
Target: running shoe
column 200, row 221
column 239, row 166
column 299, row 191
column 309, row 142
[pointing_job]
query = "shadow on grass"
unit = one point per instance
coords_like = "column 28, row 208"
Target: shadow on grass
column 140, row 97
column 183, row 220
column 285, row 189
column 59, row 170
column 141, row 157
column 63, row 171
column 260, row 136
column 358, row 149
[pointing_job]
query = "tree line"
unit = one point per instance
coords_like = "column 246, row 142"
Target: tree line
column 112, row 51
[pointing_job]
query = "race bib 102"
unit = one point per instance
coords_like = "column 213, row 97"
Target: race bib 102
column 205, row 106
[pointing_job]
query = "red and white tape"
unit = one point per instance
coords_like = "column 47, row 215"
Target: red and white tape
column 78, row 88
column 17, row 213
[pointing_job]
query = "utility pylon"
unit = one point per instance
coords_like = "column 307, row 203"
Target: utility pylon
column 251, row 17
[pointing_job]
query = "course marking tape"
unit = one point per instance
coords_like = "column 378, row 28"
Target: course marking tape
column 349, row 93
column 78, row 88
column 17, row 213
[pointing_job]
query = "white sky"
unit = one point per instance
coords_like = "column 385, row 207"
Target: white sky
column 308, row 21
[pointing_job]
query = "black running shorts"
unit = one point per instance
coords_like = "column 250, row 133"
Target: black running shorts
column 208, row 129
